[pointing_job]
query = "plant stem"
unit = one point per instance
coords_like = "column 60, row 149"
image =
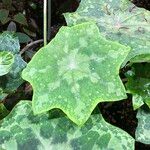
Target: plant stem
column 45, row 22
column 49, row 20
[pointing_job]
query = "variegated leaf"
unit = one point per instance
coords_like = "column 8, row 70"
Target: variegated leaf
column 143, row 128
column 6, row 61
column 12, row 80
column 118, row 20
column 75, row 71
column 21, row 130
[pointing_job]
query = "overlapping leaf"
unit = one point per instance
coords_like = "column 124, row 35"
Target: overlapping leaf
column 3, row 111
column 6, row 61
column 139, row 85
column 118, row 20
column 12, row 80
column 76, row 71
column 21, row 130
column 143, row 129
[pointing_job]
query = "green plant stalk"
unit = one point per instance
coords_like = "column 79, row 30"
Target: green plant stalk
column 45, row 22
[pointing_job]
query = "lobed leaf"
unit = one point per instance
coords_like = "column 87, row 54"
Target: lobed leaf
column 118, row 20
column 76, row 71
column 12, row 80
column 143, row 128
column 22, row 130
column 6, row 61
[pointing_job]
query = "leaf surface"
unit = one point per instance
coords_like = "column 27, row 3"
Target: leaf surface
column 139, row 85
column 12, row 80
column 76, row 71
column 143, row 128
column 118, row 20
column 6, row 61
column 21, row 19
column 21, row 130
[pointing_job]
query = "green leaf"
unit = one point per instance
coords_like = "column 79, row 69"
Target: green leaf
column 12, row 80
column 118, row 20
column 23, row 38
column 143, row 128
column 20, row 18
column 4, row 16
column 76, row 71
column 7, row 2
column 139, row 85
column 6, row 61
column 29, row 32
column 21, row 130
column 9, row 42
column 3, row 111
column 2, row 94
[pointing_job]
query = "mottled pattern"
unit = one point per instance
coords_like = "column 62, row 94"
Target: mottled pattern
column 8, row 42
column 139, row 84
column 118, row 20
column 12, row 80
column 21, row 130
column 143, row 130
column 6, row 61
column 75, row 71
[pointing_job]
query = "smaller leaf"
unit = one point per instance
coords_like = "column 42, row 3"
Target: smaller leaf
column 142, row 133
column 20, row 18
column 4, row 15
column 3, row 111
column 2, row 94
column 7, row 2
column 12, row 27
column 6, row 61
column 23, row 38
column 139, row 85
column 9, row 42
column 30, row 33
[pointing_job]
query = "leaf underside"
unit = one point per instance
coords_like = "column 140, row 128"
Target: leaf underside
column 118, row 20
column 21, row 130
column 75, row 71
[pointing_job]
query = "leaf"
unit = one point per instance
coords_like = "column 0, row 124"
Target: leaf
column 76, row 71
column 4, row 16
column 2, row 94
column 30, row 33
column 23, row 38
column 12, row 80
column 9, row 42
column 12, row 27
column 20, row 18
column 143, row 129
column 118, row 20
column 21, row 130
column 3, row 111
column 139, row 85
column 7, row 2
column 6, row 61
